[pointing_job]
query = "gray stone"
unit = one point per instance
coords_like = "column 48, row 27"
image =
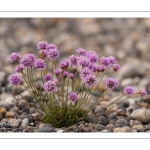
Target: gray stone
column 15, row 122
column 122, row 122
column 134, row 122
column 139, row 128
column 102, row 120
column 46, row 129
column 130, row 71
column 99, row 127
column 112, row 116
column 110, row 127
column 24, row 123
column 141, row 115
column 100, row 109
column 29, row 116
column 15, row 108
column 5, row 104
column 31, row 110
column 43, row 125
column 112, row 121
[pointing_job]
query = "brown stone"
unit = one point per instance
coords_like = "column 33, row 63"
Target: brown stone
column 9, row 115
column 3, row 110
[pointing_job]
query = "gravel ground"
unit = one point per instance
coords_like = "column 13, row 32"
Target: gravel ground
column 126, row 39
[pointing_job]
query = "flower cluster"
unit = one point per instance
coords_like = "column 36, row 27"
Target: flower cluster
column 71, row 81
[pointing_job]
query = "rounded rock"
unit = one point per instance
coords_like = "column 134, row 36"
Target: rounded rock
column 24, row 123
column 134, row 122
column 9, row 115
column 139, row 128
column 122, row 122
column 141, row 115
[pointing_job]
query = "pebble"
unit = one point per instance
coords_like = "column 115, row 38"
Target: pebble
column 29, row 116
column 99, row 127
column 44, row 127
column 10, row 100
column 122, row 122
column 141, row 115
column 31, row 128
column 100, row 109
column 139, row 128
column 5, row 104
column 124, row 129
column 121, row 112
column 15, row 108
column 24, row 123
column 102, row 120
column 112, row 116
column 15, row 122
column 110, row 127
column 9, row 114
column 3, row 110
column 31, row 111
column 112, row 121
column 134, row 122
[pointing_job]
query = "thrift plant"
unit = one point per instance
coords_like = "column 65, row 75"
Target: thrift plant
column 64, row 92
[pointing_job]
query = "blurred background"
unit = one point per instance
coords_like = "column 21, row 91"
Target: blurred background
column 126, row 39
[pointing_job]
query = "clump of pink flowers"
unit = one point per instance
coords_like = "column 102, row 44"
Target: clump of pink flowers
column 63, row 92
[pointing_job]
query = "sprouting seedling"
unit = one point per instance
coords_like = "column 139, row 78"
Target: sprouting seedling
column 64, row 92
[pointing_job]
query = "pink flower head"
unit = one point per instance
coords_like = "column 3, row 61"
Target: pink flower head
column 73, row 60
column 112, row 60
column 116, row 67
column 40, row 64
column 57, row 72
column 81, row 52
column 90, row 80
column 48, row 77
column 50, row 47
column 93, row 57
column 85, row 72
column 83, row 61
column 71, row 75
column 64, row 64
column 28, row 60
column 65, row 74
column 14, row 80
column 14, row 57
column 53, row 54
column 105, row 61
column 42, row 45
column 73, row 97
column 128, row 90
column 101, row 68
column 50, row 86
column 111, row 83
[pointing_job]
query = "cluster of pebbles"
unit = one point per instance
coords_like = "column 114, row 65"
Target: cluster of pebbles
column 126, row 39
